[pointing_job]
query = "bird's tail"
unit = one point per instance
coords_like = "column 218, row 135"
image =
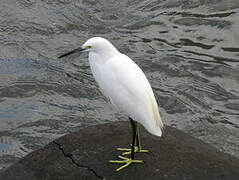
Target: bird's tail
column 158, row 129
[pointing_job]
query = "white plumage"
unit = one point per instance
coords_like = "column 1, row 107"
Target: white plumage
column 124, row 83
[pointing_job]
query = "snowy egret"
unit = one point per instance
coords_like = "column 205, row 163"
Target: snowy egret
column 127, row 88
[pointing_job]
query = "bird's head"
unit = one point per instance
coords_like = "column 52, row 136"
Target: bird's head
column 95, row 44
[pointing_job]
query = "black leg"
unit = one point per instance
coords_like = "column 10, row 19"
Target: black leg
column 134, row 135
column 137, row 136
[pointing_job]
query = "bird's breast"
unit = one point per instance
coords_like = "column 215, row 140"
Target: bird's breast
column 103, row 75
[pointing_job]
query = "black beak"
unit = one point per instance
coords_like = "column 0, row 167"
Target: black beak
column 72, row 52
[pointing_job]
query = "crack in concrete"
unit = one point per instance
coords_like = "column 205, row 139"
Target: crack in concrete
column 69, row 155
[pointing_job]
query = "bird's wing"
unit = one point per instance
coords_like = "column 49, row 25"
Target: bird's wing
column 131, row 92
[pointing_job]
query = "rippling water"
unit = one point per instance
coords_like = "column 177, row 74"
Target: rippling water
column 188, row 49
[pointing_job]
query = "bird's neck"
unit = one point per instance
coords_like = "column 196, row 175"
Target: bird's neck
column 103, row 55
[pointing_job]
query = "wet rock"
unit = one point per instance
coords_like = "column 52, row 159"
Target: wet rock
column 85, row 155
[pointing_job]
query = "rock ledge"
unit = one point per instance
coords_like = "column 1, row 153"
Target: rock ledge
column 85, row 155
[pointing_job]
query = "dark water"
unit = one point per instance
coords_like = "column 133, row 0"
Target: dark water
column 189, row 50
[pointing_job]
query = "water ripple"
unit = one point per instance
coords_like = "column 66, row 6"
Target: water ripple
column 188, row 50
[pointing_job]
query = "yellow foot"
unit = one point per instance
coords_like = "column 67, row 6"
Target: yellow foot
column 136, row 149
column 126, row 161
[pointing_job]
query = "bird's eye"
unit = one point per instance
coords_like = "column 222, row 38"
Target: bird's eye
column 88, row 47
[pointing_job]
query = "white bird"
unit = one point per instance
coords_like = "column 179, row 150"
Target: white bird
column 127, row 88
